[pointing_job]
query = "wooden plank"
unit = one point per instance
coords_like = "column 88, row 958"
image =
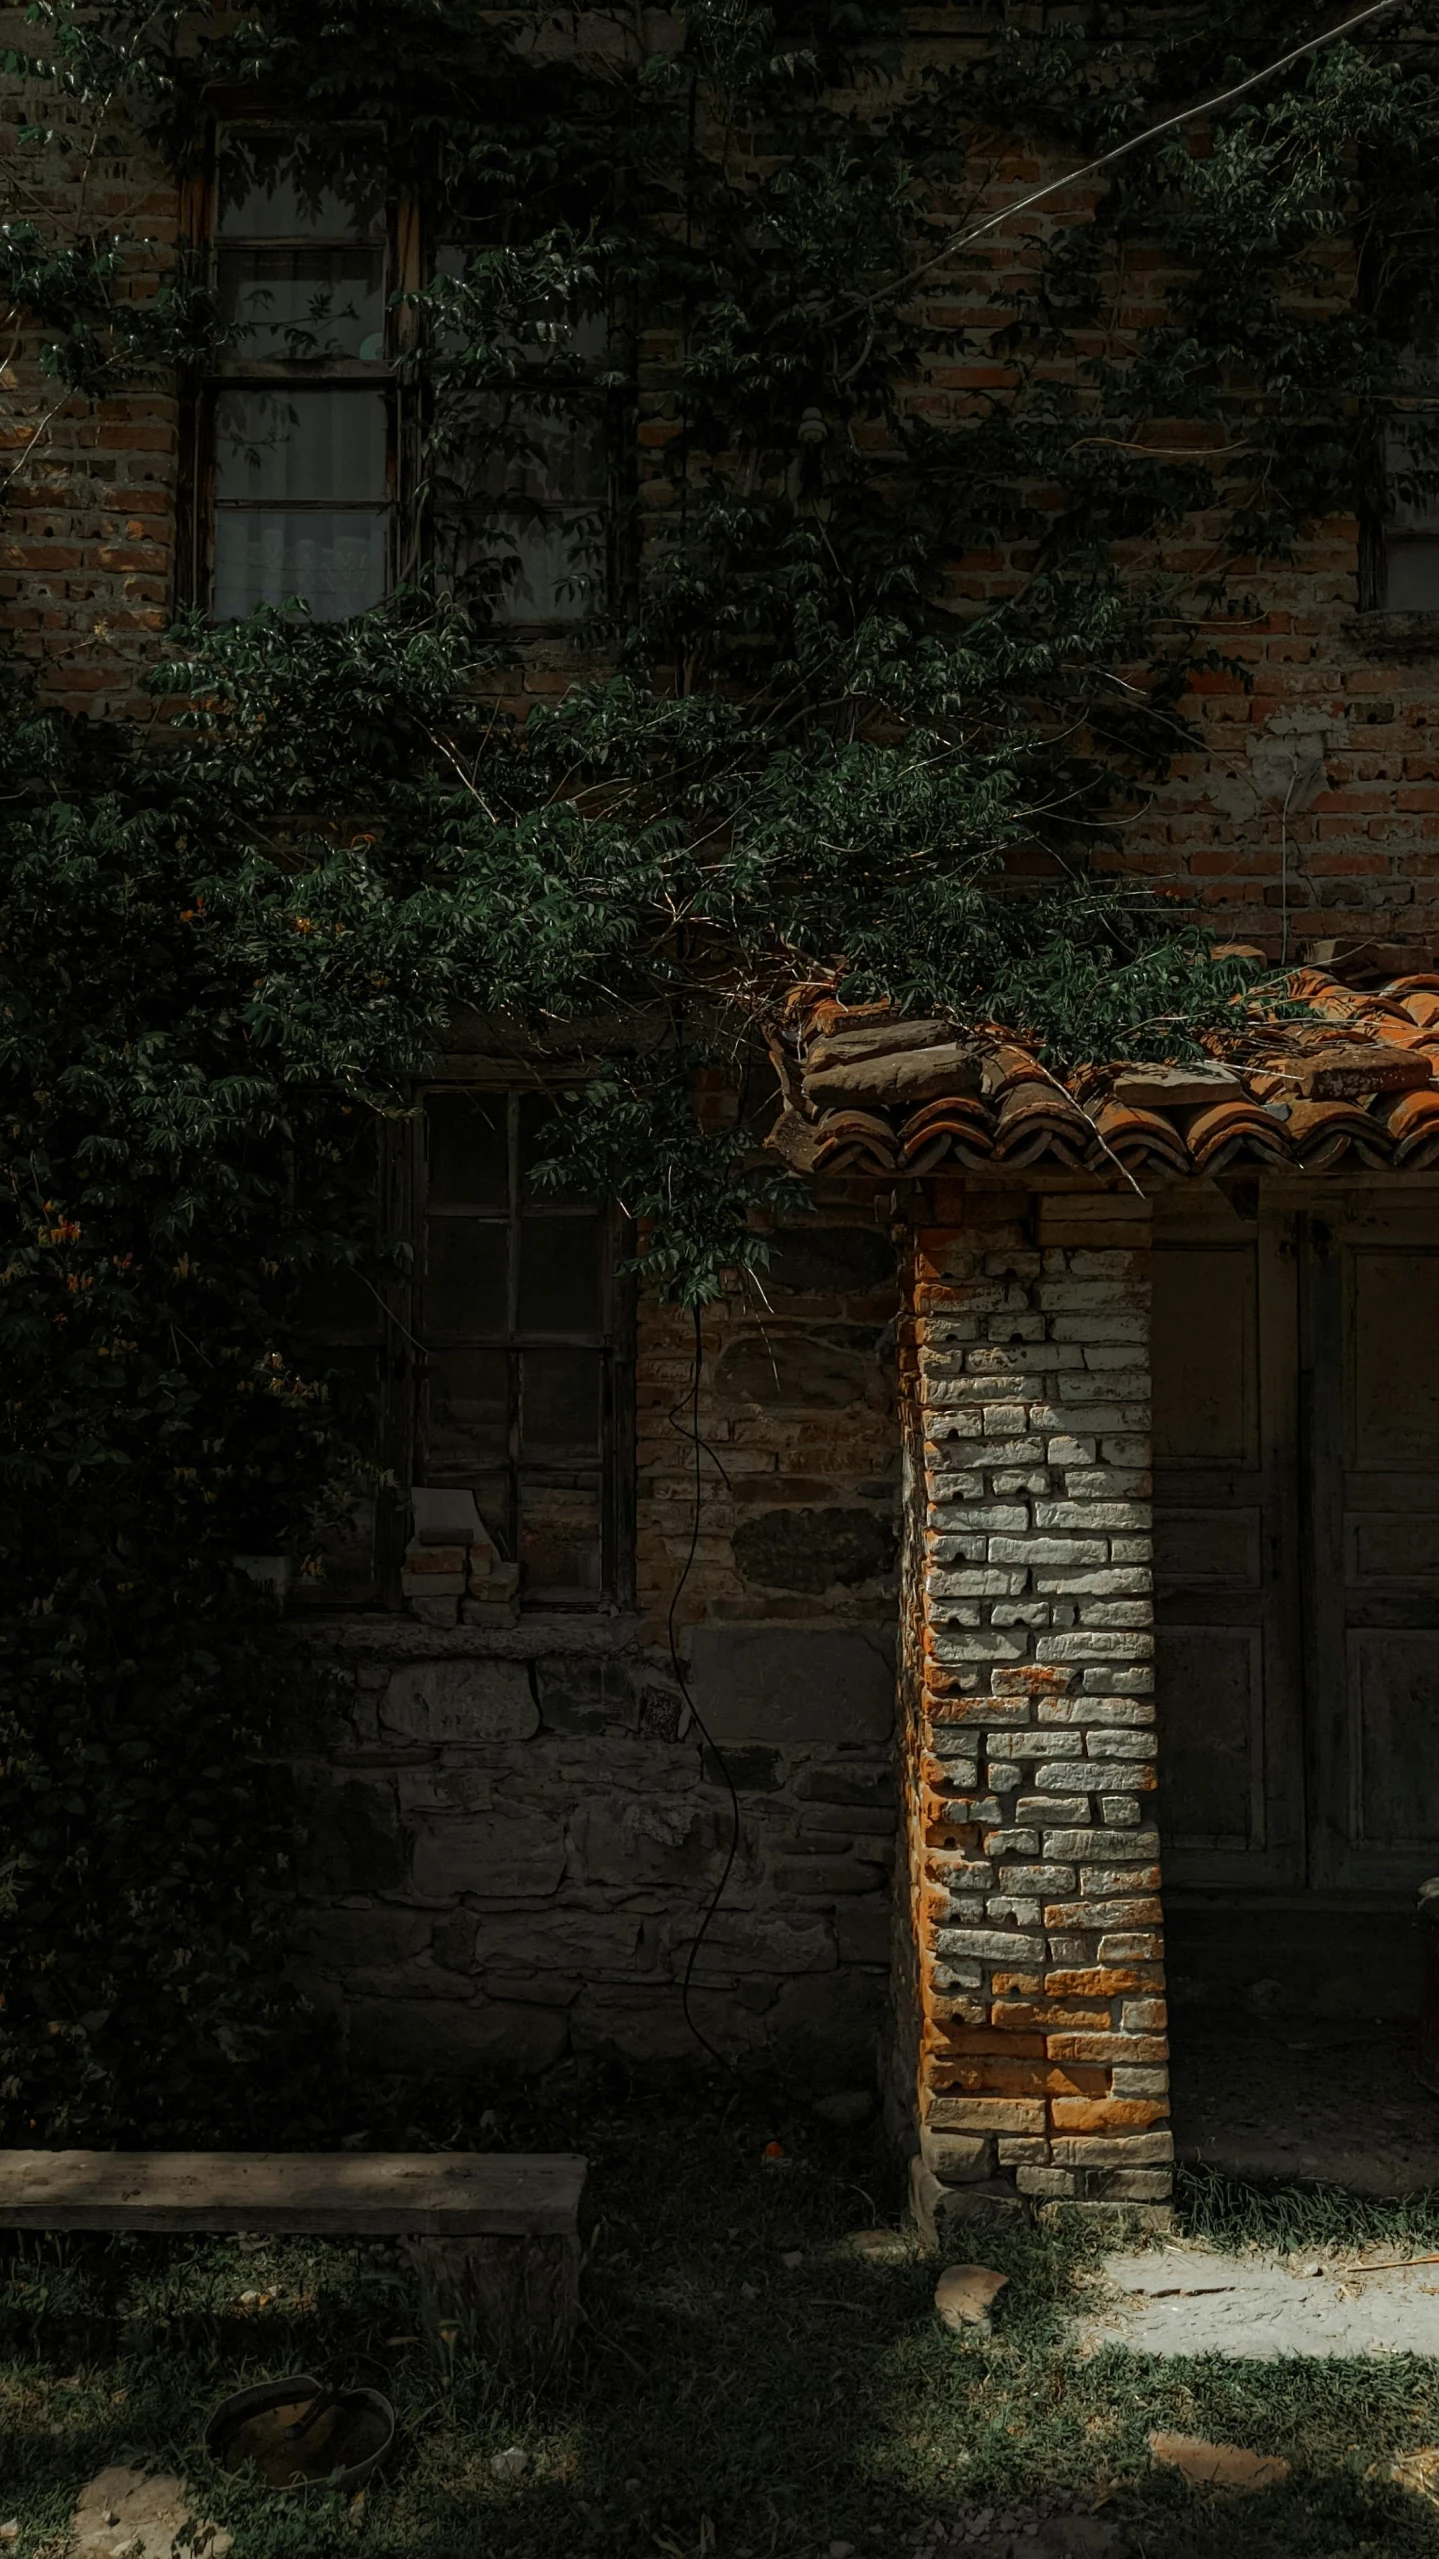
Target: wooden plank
column 440, row 2194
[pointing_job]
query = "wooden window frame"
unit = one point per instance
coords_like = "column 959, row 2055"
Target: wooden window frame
column 614, row 1345
column 195, row 545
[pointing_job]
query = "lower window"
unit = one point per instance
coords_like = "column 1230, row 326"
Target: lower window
column 521, row 1376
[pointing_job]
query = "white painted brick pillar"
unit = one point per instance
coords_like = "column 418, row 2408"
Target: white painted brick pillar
column 1039, row 2050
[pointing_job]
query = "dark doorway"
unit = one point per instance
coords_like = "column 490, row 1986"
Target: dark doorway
column 1296, row 1373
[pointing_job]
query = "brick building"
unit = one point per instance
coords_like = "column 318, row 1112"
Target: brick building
column 1044, row 1367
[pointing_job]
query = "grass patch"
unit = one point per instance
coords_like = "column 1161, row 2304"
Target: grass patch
column 719, row 2400
column 1232, row 2214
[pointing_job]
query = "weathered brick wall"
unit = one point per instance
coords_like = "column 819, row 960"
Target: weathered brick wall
column 1033, row 1861
column 515, row 1836
column 1332, row 713
column 89, row 487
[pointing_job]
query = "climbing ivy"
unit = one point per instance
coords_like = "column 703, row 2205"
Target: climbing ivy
column 792, row 743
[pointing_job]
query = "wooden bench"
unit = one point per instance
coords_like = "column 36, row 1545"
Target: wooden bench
column 494, row 2235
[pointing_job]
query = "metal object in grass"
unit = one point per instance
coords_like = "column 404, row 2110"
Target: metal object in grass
column 296, row 2433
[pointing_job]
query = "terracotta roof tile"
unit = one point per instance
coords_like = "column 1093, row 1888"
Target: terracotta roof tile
column 1137, row 1138
column 1351, row 1081
column 1413, row 1125
column 1324, row 1133
column 1037, row 1119
column 1234, row 1133
column 958, row 1129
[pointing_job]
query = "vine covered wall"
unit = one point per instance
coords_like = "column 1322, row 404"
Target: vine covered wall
column 988, row 615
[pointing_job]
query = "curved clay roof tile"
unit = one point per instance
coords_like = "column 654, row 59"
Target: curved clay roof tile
column 1036, row 1119
column 1139, row 1138
column 1235, row 1133
column 1323, row 1133
column 960, row 1130
column 1412, row 1120
column 857, row 1141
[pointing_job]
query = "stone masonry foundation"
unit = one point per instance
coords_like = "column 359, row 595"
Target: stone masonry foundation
column 1038, row 2046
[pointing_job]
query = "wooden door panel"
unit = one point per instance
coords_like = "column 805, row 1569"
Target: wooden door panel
column 1394, row 1694
column 1371, row 1329
column 1207, row 1549
column 1206, row 1401
column 1231, row 1794
column 1394, row 1337
column 1211, row 1798
column 1391, row 1546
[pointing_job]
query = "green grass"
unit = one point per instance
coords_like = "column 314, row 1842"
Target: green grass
column 718, row 2400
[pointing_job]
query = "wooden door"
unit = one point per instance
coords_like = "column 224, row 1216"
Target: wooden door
column 1226, row 1546
column 1370, row 1404
column 1296, row 1382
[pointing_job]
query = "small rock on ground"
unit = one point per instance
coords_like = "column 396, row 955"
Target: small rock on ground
column 965, row 2295
column 1218, row 2465
column 883, row 2247
column 512, row 2463
column 139, row 2513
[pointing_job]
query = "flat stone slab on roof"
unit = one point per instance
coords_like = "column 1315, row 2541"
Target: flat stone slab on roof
column 1195, row 2301
column 436, row 2194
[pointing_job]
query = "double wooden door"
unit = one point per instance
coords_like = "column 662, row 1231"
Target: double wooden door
column 1296, row 1384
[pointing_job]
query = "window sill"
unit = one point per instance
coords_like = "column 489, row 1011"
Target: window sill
column 1397, row 635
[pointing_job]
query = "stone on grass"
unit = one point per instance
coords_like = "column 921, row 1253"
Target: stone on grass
column 1218, row 2465
column 140, row 2513
column 512, row 2463
column 879, row 2247
column 965, row 2295
column 10, row 2531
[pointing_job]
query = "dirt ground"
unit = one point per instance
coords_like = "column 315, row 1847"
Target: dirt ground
column 1329, row 2102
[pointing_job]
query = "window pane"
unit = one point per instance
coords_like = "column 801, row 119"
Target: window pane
column 560, row 1275
column 523, row 451
column 469, row 1150
column 561, row 1539
column 299, row 444
column 465, row 1287
column 558, row 572
column 296, row 303
column 561, row 333
column 1412, row 582
column 272, row 207
column 335, row 562
column 560, row 1405
column 469, row 1412
column 540, row 1122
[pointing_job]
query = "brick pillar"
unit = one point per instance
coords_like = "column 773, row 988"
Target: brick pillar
column 1038, row 2052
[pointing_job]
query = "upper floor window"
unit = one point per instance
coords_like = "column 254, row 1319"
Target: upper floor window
column 1407, row 543
column 523, row 440
column 301, row 443
column 322, row 473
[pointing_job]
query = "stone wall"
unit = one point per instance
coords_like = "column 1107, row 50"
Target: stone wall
column 516, row 1834
column 1039, row 2042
